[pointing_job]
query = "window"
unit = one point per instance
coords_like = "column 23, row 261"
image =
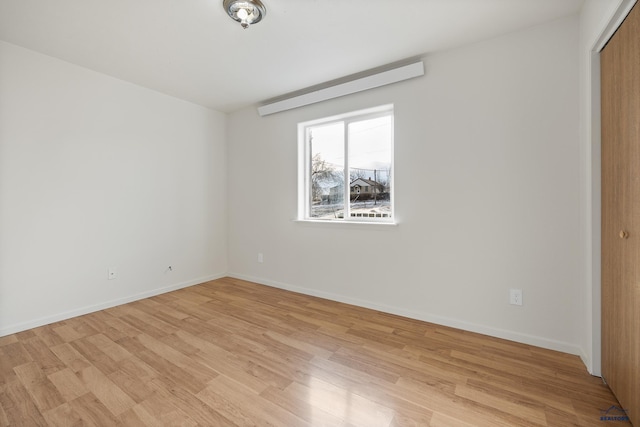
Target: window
column 354, row 150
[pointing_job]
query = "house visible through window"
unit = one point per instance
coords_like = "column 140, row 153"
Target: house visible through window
column 353, row 151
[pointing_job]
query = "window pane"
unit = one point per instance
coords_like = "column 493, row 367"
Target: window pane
column 370, row 144
column 326, row 181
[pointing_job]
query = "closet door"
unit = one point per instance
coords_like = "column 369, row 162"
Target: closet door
column 620, row 83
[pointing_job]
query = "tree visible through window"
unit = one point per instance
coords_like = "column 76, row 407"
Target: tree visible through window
column 347, row 167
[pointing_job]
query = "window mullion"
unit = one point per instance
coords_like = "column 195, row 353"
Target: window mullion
column 347, row 183
column 309, row 168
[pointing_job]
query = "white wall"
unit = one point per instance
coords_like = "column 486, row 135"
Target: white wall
column 97, row 172
column 487, row 196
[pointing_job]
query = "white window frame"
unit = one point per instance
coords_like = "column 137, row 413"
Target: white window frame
column 304, row 166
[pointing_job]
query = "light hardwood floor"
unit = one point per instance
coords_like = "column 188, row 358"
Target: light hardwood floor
column 230, row 352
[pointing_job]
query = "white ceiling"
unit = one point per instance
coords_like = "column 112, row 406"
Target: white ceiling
column 192, row 50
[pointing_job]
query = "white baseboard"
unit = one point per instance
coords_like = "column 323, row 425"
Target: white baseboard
column 19, row 327
column 426, row 317
column 587, row 362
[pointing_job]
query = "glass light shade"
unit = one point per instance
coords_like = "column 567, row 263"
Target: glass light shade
column 246, row 12
column 242, row 14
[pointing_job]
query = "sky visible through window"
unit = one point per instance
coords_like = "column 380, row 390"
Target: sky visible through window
column 369, row 144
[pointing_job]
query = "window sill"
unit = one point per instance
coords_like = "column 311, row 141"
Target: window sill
column 333, row 223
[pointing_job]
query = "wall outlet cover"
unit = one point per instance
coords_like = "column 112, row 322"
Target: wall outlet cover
column 515, row 296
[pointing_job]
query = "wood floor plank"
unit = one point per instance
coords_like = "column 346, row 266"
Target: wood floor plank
column 19, row 407
column 189, row 405
column 222, row 360
column 98, row 358
column 109, row 347
column 235, row 397
column 230, row 352
column 8, row 339
column 441, row 420
column 295, row 404
column 171, row 373
column 139, row 416
column 155, row 308
column 92, row 411
column 133, row 377
column 466, row 410
column 42, row 355
column 148, row 324
column 70, row 357
column 43, row 393
column 12, row 355
column 48, row 335
column 510, row 403
column 185, row 363
column 68, row 384
column 67, row 333
column 116, row 329
column 63, row 416
column 309, row 349
column 343, row 403
column 158, row 410
column 132, row 418
column 109, row 394
column 372, row 388
column 518, row 390
column 4, row 419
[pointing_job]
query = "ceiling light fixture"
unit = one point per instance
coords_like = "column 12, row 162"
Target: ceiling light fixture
column 246, row 12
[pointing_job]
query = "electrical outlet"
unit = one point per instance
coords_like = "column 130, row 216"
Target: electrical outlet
column 260, row 258
column 112, row 273
column 515, row 296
